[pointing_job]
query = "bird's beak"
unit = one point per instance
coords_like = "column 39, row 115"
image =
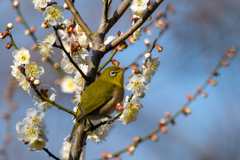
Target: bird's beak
column 124, row 69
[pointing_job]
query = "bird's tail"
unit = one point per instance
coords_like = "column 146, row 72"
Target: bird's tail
column 79, row 123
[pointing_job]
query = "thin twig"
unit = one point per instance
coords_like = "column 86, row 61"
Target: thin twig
column 69, row 56
column 109, row 60
column 50, row 154
column 105, row 13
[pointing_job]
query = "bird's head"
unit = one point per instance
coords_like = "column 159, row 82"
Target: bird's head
column 113, row 74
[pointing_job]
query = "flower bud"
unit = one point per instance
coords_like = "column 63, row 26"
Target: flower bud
column 106, row 155
column 117, row 158
column 148, row 31
column 170, row 9
column 32, row 79
column 27, row 32
column 203, row 94
column 190, row 97
column 224, row 63
column 150, row 6
column 65, row 6
column 144, row 66
column 130, row 149
column 229, row 54
column 56, row 65
column 3, row 35
column 163, row 129
column 158, row 48
column 34, row 47
column 136, row 139
column 119, row 48
column 119, row 107
column 15, row 4
column 36, row 82
column 19, row 19
column 186, row 110
column 28, row 79
column 162, row 23
column 232, row 49
column 134, row 66
column 13, row 107
column 7, row 138
column 212, row 82
column 154, row 137
column 156, row 24
column 25, row 142
column 136, row 71
column 168, row 115
column 45, row 25
column 124, row 45
column 159, row 14
column 147, row 55
column 32, row 29
column 9, row 25
column 9, row 45
column 119, row 33
column 44, row 59
column 147, row 42
column 142, row 95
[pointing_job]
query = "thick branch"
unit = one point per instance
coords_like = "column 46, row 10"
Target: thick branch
column 123, row 37
column 79, row 20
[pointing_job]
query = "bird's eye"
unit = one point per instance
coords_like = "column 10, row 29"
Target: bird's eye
column 112, row 73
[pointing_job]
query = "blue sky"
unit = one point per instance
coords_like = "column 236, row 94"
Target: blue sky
column 198, row 35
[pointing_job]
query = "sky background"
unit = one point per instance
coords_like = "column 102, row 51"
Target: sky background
column 199, row 33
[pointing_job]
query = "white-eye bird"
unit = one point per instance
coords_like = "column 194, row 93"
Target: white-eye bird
column 99, row 100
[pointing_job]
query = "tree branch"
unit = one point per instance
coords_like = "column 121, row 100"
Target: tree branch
column 50, row 154
column 69, row 56
column 79, row 20
column 123, row 37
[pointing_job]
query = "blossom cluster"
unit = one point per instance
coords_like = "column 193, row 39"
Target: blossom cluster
column 136, row 83
column 32, row 130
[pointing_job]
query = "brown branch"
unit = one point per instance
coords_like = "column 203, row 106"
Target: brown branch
column 131, row 30
column 50, row 154
column 79, row 20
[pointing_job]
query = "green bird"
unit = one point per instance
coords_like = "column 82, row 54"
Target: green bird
column 99, row 100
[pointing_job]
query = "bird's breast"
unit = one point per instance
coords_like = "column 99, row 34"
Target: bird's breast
column 109, row 107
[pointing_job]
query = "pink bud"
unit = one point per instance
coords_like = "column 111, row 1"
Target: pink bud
column 136, row 71
column 136, row 139
column 34, row 47
column 130, row 149
column 9, row 45
column 19, row 19
column 212, row 82
column 158, row 48
column 45, row 25
column 106, row 155
column 159, row 14
column 186, row 110
column 119, row 107
column 154, row 138
column 32, row 29
column 190, row 97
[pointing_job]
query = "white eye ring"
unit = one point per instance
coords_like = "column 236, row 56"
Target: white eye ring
column 112, row 73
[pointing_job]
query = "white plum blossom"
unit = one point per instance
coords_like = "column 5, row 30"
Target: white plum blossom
column 136, row 83
column 27, row 132
column 64, row 154
column 24, row 83
column 77, row 97
column 79, row 30
column 16, row 72
column 65, row 32
column 37, row 145
column 74, row 110
column 83, row 39
column 67, row 85
column 31, row 69
column 35, row 117
column 21, row 56
column 39, row 4
column 152, row 65
column 110, row 39
column 139, row 7
column 130, row 111
column 51, row 38
column 137, row 34
column 32, row 130
column 45, row 48
column 53, row 14
column 100, row 133
column 78, row 79
column 47, row 92
column 67, row 65
column 67, row 144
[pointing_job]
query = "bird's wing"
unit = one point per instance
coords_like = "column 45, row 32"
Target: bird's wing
column 96, row 95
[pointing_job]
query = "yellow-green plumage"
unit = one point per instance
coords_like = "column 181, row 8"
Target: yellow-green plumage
column 99, row 100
